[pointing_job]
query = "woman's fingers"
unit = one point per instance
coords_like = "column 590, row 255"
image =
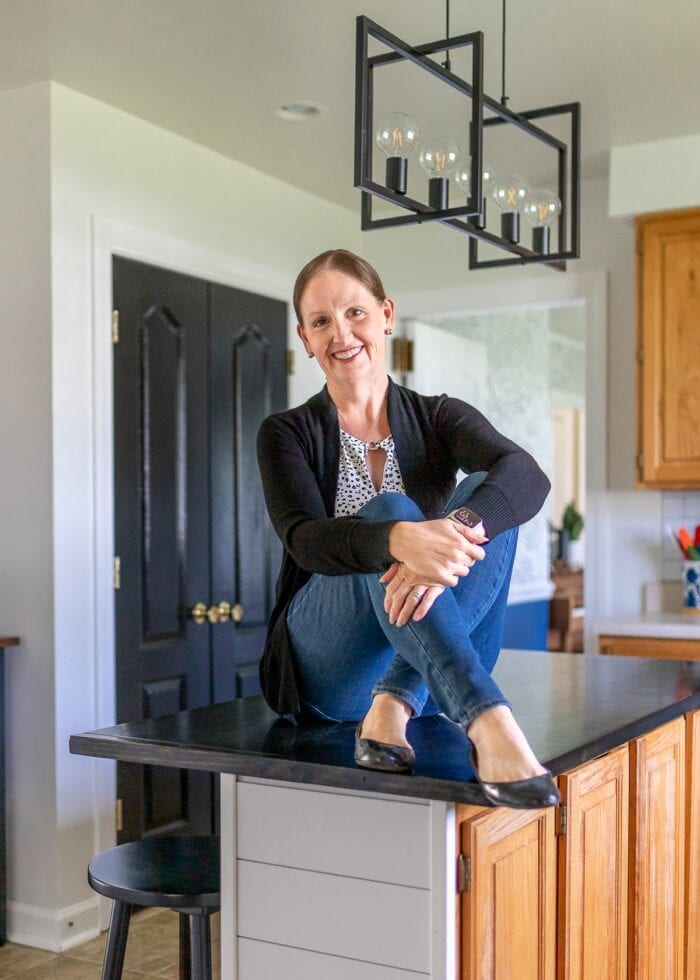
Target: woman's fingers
column 426, row 603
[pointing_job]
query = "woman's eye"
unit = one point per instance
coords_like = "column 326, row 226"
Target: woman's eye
column 321, row 322
column 356, row 311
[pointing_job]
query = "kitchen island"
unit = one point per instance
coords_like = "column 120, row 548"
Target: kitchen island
column 334, row 871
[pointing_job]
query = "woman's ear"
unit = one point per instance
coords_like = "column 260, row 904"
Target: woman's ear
column 300, row 333
column 389, row 310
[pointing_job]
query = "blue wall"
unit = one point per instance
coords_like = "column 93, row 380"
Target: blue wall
column 526, row 625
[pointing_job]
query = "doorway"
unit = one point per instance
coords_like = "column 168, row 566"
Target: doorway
column 197, row 366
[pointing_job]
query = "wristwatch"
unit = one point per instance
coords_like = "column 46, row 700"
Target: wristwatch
column 465, row 516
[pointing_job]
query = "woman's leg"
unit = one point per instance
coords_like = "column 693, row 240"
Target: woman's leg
column 344, row 647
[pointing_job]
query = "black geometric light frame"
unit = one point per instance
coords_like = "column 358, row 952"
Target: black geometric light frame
column 568, row 157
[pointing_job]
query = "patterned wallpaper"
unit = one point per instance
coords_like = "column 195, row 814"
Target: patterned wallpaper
column 519, row 349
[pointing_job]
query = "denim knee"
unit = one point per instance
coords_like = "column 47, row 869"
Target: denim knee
column 391, row 506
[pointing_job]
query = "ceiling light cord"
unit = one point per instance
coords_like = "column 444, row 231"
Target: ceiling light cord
column 447, row 63
column 504, row 97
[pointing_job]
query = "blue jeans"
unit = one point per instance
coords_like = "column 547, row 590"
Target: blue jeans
column 346, row 650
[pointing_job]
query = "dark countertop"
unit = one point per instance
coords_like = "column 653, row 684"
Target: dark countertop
column 571, row 707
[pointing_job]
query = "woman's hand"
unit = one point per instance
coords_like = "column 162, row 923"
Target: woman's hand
column 437, row 552
column 406, row 596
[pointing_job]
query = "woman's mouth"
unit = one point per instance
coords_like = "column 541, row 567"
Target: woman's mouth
column 347, row 355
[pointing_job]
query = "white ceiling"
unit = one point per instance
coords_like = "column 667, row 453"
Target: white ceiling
column 216, row 70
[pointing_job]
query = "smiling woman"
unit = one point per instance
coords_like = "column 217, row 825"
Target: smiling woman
column 392, row 592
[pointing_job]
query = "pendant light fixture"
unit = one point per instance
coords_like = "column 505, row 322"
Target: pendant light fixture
column 493, row 199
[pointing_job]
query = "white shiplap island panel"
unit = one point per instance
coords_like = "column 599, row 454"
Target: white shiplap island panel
column 320, row 882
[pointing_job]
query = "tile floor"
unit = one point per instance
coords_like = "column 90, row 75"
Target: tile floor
column 150, row 952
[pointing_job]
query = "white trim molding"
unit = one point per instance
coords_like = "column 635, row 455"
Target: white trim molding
column 55, row 930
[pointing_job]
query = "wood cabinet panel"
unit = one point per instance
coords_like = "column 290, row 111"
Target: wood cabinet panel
column 668, row 269
column 508, row 914
column 657, row 854
column 692, row 878
column 592, row 914
column 649, row 646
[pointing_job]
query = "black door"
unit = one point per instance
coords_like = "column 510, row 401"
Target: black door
column 196, row 368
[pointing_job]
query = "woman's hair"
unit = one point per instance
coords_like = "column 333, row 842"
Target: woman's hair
column 342, row 261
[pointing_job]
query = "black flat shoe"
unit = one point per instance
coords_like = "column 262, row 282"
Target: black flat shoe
column 534, row 793
column 380, row 755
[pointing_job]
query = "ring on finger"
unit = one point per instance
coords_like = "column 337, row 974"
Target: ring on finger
column 416, row 594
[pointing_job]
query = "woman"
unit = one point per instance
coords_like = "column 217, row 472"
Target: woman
column 392, row 593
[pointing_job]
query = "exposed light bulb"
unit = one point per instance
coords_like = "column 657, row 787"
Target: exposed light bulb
column 510, row 193
column 439, row 157
column 542, row 208
column 463, row 179
column 397, row 137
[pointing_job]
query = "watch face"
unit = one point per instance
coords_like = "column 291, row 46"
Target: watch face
column 465, row 516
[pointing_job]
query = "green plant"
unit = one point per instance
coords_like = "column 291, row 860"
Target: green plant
column 572, row 521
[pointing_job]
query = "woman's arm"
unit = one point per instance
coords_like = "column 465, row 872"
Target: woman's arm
column 515, row 487
column 316, row 542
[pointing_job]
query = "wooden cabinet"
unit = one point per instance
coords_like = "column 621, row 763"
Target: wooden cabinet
column 692, row 866
column 593, row 862
column 508, row 914
column 607, row 885
column 656, row 647
column 668, row 376
column 657, row 854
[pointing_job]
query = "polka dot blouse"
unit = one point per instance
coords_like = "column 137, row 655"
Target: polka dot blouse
column 355, row 485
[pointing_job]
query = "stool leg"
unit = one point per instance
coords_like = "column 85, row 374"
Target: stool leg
column 185, row 972
column 200, row 946
column 116, row 941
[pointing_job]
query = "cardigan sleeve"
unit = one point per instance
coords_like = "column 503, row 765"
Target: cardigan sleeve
column 316, row 542
column 515, row 487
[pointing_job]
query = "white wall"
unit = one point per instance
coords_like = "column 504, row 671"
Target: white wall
column 26, row 579
column 101, row 166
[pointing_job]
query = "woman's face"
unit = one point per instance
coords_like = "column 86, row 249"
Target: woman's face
column 343, row 326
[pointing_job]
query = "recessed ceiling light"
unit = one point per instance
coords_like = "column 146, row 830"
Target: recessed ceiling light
column 300, row 111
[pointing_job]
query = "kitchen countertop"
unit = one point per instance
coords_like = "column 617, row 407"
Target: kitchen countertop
column 672, row 626
column 572, row 708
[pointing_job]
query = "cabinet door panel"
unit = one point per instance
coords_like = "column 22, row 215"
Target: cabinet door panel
column 509, row 913
column 669, row 371
column 692, row 810
column 593, row 853
column 657, row 854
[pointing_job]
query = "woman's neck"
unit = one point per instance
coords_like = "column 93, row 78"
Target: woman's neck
column 360, row 402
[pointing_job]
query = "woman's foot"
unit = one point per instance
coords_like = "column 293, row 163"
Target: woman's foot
column 508, row 771
column 380, row 738
column 501, row 747
column 386, row 721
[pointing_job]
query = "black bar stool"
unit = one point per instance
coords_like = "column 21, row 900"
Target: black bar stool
column 180, row 873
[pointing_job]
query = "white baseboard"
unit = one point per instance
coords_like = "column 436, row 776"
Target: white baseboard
column 55, row 930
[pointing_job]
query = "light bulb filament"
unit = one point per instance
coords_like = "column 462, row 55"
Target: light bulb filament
column 512, row 196
column 440, row 161
column 397, row 140
column 543, row 210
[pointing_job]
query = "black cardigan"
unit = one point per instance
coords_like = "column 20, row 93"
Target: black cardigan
column 298, row 455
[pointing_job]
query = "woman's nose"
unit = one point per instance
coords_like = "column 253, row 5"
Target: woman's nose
column 341, row 329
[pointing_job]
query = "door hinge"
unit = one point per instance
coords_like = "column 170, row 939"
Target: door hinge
column 119, row 815
column 117, row 572
column 464, row 873
column 291, row 361
column 563, row 825
column 402, row 355
column 640, row 462
column 115, row 326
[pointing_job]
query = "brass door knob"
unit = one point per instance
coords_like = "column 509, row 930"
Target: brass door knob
column 237, row 613
column 198, row 613
column 220, row 613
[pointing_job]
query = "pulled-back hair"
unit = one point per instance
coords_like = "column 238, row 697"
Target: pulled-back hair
column 342, row 261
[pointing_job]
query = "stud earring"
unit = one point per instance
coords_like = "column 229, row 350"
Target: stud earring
column 388, row 331
column 309, row 354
